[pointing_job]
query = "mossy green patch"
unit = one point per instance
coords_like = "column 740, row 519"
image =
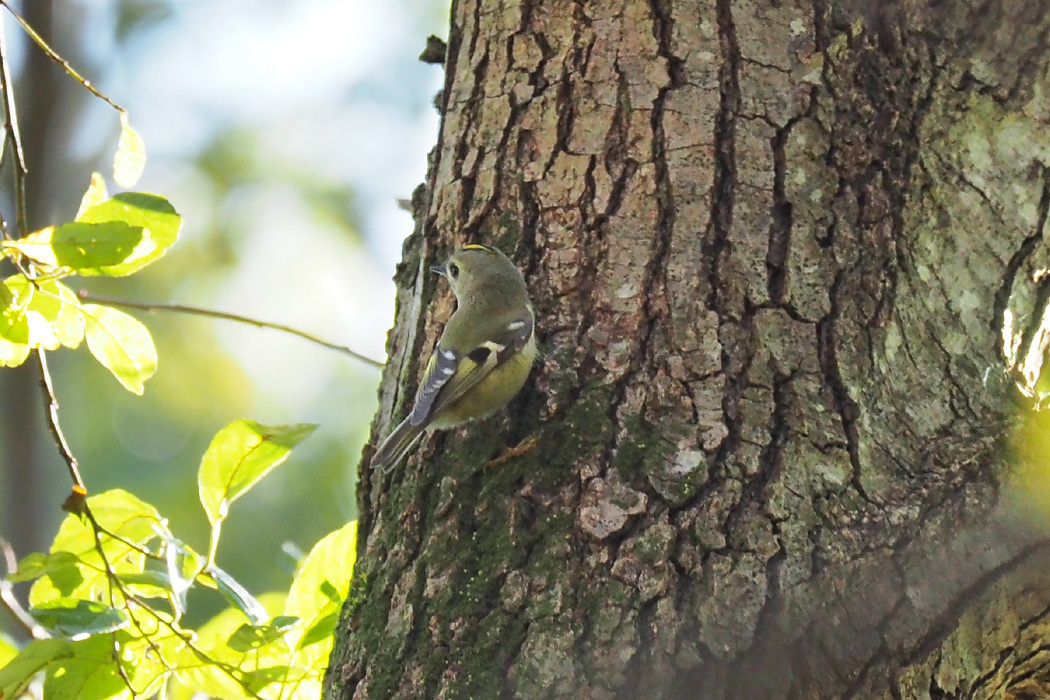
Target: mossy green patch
column 654, row 545
column 640, row 450
column 676, row 473
column 586, row 427
column 359, row 589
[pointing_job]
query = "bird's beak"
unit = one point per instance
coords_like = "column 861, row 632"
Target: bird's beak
column 440, row 269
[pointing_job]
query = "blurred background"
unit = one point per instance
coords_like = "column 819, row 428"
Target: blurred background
column 283, row 133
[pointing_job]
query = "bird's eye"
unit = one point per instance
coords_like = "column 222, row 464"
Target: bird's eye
column 453, row 269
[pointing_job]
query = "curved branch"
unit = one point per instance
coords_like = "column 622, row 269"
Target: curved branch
column 196, row 311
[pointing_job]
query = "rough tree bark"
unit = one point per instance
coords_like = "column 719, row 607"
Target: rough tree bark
column 771, row 245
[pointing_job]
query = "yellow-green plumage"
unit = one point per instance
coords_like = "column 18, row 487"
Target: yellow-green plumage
column 483, row 357
column 491, row 393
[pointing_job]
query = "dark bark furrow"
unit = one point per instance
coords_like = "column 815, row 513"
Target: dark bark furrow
column 1019, row 259
column 723, row 188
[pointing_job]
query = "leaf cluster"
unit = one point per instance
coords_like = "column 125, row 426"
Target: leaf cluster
column 111, row 593
column 112, row 237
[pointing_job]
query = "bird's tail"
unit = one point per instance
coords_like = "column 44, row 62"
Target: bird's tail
column 394, row 447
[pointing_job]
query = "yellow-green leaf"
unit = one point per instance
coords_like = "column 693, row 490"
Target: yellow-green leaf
column 116, row 237
column 14, row 326
column 36, row 246
column 237, row 594
column 146, row 658
column 8, row 650
column 239, row 456
column 51, row 310
column 16, row 675
column 250, row 637
column 74, row 617
column 122, row 344
column 87, row 249
column 118, row 512
column 211, row 638
column 95, row 194
column 37, row 564
column 149, row 211
column 89, row 674
column 131, row 155
column 320, row 587
column 68, row 323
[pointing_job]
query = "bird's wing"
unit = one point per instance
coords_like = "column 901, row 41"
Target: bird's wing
column 449, row 376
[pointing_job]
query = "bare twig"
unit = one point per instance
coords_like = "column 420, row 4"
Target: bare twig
column 50, row 53
column 9, row 601
column 52, row 421
column 4, row 150
column 196, row 311
column 11, row 135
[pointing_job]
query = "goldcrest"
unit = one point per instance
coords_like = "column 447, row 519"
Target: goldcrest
column 483, row 357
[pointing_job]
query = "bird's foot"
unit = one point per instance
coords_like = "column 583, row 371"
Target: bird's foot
column 509, row 453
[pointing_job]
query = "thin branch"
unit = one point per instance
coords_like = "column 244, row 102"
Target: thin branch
column 50, row 53
column 11, row 135
column 9, row 601
column 128, row 596
column 52, row 421
column 114, row 581
column 4, row 150
column 129, row 544
column 114, row 654
column 196, row 311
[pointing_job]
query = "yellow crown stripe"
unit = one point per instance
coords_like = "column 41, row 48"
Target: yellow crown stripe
column 478, row 246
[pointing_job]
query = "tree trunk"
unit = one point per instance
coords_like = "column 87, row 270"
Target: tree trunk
column 32, row 478
column 771, row 247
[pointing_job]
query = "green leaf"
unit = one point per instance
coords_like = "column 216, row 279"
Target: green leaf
column 131, row 155
column 14, row 325
column 182, row 565
column 257, row 679
column 60, row 305
column 147, row 584
column 121, row 344
column 89, row 249
column 16, row 675
column 51, row 311
column 249, row 637
column 95, row 194
column 150, row 212
column 89, row 674
column 12, row 354
column 238, row 595
column 210, row 679
column 8, row 651
column 320, row 586
column 75, row 618
column 320, row 630
column 115, row 238
column 212, row 635
column 146, row 659
column 239, row 456
column 118, row 512
column 38, row 564
column 207, row 680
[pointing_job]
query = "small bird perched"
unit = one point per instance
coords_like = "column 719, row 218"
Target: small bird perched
column 484, row 354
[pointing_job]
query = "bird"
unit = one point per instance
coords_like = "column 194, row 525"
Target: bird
column 483, row 357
